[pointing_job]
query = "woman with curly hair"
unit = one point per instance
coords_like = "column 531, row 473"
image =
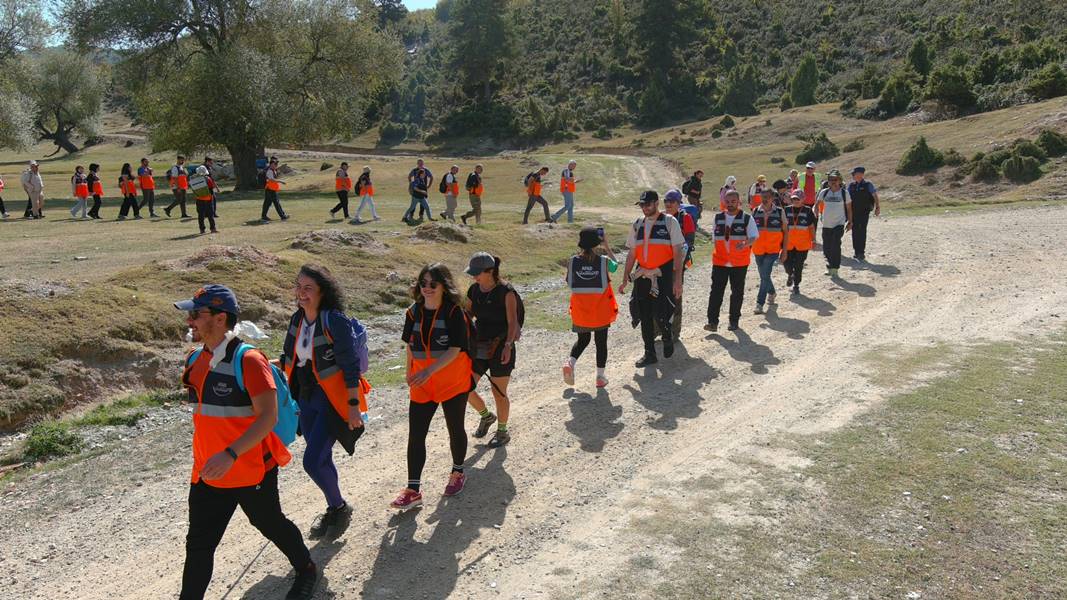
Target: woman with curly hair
column 320, row 362
column 438, row 372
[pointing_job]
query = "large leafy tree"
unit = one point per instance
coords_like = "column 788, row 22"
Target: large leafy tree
column 482, row 45
column 67, row 92
column 22, row 27
column 245, row 74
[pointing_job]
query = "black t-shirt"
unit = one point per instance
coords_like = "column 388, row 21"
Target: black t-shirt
column 490, row 310
column 91, row 179
column 451, row 314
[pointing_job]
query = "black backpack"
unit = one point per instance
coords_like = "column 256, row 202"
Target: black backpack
column 472, row 182
column 443, row 186
column 261, row 179
column 529, row 176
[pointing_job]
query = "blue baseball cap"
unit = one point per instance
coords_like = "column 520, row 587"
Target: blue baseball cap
column 672, row 195
column 214, row 296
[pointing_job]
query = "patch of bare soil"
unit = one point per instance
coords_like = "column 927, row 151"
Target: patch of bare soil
column 249, row 255
column 327, row 240
column 442, row 232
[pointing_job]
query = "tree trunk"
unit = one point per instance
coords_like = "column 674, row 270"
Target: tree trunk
column 62, row 140
column 243, row 156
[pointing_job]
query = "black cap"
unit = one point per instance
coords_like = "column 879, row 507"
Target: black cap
column 648, row 197
column 779, row 184
column 588, row 238
column 858, row 170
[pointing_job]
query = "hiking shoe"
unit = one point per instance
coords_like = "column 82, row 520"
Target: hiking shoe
column 285, row 217
column 499, row 439
column 483, row 425
column 444, row 216
column 407, row 500
column 167, row 210
column 833, row 273
column 333, row 520
column 463, row 218
column 153, row 215
column 120, row 218
column 732, row 327
column 668, row 345
column 265, row 219
column 711, row 327
column 304, row 584
column 214, row 231
column 796, row 290
column 646, row 360
column 789, row 280
column 137, row 217
column 568, row 374
column 771, row 298
column 759, row 310
column 601, row 382
column 455, row 483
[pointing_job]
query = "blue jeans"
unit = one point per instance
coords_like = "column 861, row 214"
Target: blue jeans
column 568, row 207
column 318, row 455
column 415, row 202
column 765, row 264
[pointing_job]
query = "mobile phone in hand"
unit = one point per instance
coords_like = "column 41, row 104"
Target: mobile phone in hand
column 600, row 232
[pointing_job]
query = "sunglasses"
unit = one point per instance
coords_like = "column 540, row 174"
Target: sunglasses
column 428, row 283
column 195, row 314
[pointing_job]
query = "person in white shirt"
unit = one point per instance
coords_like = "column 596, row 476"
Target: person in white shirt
column 836, row 207
column 451, row 183
column 179, row 186
column 34, row 187
column 733, row 233
column 567, row 187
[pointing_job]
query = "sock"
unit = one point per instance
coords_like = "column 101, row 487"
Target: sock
column 414, row 484
column 457, row 468
column 502, row 426
column 600, row 372
column 484, row 412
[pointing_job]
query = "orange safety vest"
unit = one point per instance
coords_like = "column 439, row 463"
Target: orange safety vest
column 800, row 222
column 1, row 185
column 566, row 185
column 727, row 239
column 771, row 231
column 593, row 303
column 342, row 183
column 98, row 188
column 478, row 189
column 453, row 379
column 146, row 180
column 272, row 185
column 534, row 189
column 453, row 188
column 327, row 372
column 182, row 180
column 657, row 250
column 128, row 187
column 223, row 413
column 81, row 187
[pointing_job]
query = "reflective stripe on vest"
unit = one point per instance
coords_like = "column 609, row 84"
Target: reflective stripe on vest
column 725, row 251
column 771, row 231
column 800, row 222
column 327, row 372
column 585, row 278
column 451, row 380
column 657, row 250
column 593, row 303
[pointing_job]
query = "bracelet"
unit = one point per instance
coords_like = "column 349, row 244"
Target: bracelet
column 232, row 454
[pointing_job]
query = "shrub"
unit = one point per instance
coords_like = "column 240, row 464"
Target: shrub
column 1028, row 148
column 50, row 440
column 818, row 147
column 716, row 134
column 392, row 133
column 1049, row 82
column 949, row 86
column 954, row 158
column 848, row 104
column 602, row 133
column 854, row 146
column 1022, row 169
column 786, row 102
column 1052, row 142
column 726, row 122
column 325, row 166
column 984, row 171
column 896, row 95
column 997, row 157
column 919, row 159
column 777, row 160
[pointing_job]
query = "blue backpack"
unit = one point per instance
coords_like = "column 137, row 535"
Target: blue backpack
column 359, row 341
column 693, row 210
column 288, row 412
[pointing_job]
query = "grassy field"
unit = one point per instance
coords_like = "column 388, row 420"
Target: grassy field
column 951, row 490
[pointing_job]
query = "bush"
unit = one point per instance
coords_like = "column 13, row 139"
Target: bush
column 818, row 147
column 997, row 157
column 1028, row 148
column 392, row 133
column 50, row 440
column 777, row 160
column 919, row 159
column 325, row 166
column 1052, row 142
column 949, row 86
column 1022, row 169
column 1049, row 82
column 984, row 171
column 602, row 133
column 848, row 104
column 854, row 146
column 954, row 158
column 716, row 134
column 726, row 122
column 896, row 95
column 785, row 103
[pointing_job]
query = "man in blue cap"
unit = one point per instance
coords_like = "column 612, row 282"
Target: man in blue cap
column 236, row 454
column 864, row 199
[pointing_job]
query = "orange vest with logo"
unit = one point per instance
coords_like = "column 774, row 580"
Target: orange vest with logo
column 771, row 225
column 657, row 250
column 180, row 182
column 273, row 185
column 81, row 187
column 593, row 303
column 146, row 180
column 453, row 379
column 223, row 413
column 726, row 250
column 342, row 182
column 128, row 187
column 327, row 372
column 567, row 185
column 799, row 222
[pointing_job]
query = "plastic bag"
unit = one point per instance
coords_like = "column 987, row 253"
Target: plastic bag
column 247, row 330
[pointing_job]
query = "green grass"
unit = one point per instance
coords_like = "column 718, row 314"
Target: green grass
column 51, row 439
column 953, row 490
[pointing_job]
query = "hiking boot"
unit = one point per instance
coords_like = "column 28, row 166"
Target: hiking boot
column 646, row 360
column 711, row 327
column 732, row 327
column 334, row 520
column 265, row 219
column 214, row 231
column 444, row 216
column 120, row 218
column 771, row 298
column 455, row 483
column 407, row 500
column 601, row 382
column 153, row 215
column 568, row 373
column 759, row 310
column 285, row 217
column 499, row 438
column 167, row 210
column 833, row 273
column 789, row 280
column 483, row 425
column 304, row 584
column 668, row 345
column 796, row 290
column 137, row 217
column 463, row 218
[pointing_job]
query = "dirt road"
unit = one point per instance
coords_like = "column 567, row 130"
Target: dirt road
column 546, row 517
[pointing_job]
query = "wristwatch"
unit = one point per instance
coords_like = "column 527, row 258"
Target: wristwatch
column 232, row 454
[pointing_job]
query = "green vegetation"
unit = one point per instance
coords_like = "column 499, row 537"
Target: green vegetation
column 51, row 439
column 817, row 147
column 1052, row 142
column 1021, row 169
column 920, row 158
column 805, row 80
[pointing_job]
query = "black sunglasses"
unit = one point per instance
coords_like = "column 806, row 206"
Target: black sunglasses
column 429, row 283
column 195, row 314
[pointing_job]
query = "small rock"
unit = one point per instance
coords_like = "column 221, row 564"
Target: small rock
column 81, row 258
column 907, row 493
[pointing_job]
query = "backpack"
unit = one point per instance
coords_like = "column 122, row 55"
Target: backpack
column 358, row 187
column 261, row 179
column 288, row 411
column 687, row 186
column 472, row 182
column 529, row 176
column 359, row 341
column 443, row 186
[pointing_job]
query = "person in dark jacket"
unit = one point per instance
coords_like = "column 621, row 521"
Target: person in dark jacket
column 693, row 189
column 95, row 188
column 319, row 359
column 864, row 200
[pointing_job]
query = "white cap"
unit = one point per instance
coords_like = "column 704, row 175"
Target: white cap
column 33, row 163
column 730, row 180
column 810, row 165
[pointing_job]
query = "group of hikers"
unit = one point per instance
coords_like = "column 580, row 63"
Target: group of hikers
column 452, row 340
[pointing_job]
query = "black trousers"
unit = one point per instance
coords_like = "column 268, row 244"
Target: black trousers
column 419, row 417
column 530, row 201
column 29, row 207
column 179, row 199
column 650, row 310
column 148, row 197
column 94, row 212
column 2, row 209
column 794, row 265
column 270, row 198
column 129, row 202
column 860, row 219
column 210, row 509
column 601, row 339
column 204, row 211
column 831, row 245
column 719, row 278
column 342, row 202
column 214, row 205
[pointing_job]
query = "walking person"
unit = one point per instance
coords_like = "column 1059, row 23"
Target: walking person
column 209, row 163
column 734, row 234
column 33, row 185
column 438, row 372
column 342, row 185
column 148, row 188
column 236, row 454
column 769, row 246
column 494, row 304
column 755, row 191
column 3, row 209
column 427, row 175
column 178, row 178
column 79, row 188
column 672, row 205
column 800, row 222
column 781, row 193
column 567, row 187
column 864, row 199
column 96, row 188
column 731, row 184
column 128, row 187
column 693, row 188
column 419, row 188
column 270, row 192
column 450, row 188
column 533, row 194
column 365, row 188
column 658, row 250
column 203, row 187
column 320, row 362
column 593, row 306
column 809, row 185
column 835, row 205
column 475, row 188
column 793, row 180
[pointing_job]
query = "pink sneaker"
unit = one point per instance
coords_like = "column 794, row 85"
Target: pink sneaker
column 601, row 382
column 407, row 500
column 455, row 483
column 568, row 373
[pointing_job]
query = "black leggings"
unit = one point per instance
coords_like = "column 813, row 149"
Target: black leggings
column 342, row 202
column 419, row 417
column 601, row 338
column 94, row 212
column 3, row 211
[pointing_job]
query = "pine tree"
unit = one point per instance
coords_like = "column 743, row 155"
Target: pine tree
column 919, row 58
column 739, row 93
column 482, row 45
column 805, row 80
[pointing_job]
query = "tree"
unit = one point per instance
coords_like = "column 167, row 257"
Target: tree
column 949, row 86
column 245, row 75
column 481, row 44
column 919, row 58
column 739, row 93
column 67, row 92
column 16, row 120
column 22, row 27
column 1049, row 82
column 805, row 80
column 896, row 95
column 390, row 11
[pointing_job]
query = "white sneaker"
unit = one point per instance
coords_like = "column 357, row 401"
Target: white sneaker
column 759, row 310
column 4, row 216
column 568, row 374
